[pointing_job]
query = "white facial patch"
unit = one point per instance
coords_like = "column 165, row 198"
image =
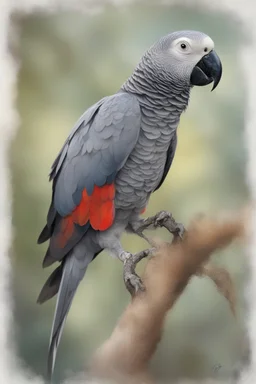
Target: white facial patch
column 181, row 39
column 187, row 45
column 208, row 43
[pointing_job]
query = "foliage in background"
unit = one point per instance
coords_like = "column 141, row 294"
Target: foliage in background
column 69, row 61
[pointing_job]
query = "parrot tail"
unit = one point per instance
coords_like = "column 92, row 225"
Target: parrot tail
column 64, row 280
column 52, row 285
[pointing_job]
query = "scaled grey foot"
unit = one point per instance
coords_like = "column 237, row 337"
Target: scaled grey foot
column 161, row 219
column 132, row 281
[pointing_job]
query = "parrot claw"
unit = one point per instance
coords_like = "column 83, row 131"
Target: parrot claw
column 161, row 219
column 132, row 281
column 180, row 231
column 165, row 219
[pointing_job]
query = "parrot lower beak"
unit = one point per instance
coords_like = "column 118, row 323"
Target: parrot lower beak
column 207, row 70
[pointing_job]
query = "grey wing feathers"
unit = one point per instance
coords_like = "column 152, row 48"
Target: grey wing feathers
column 169, row 160
column 97, row 150
column 85, row 119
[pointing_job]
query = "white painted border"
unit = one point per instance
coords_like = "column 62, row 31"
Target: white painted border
column 242, row 10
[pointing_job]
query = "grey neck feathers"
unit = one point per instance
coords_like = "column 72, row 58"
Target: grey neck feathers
column 152, row 85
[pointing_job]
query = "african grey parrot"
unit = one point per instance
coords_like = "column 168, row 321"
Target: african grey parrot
column 117, row 154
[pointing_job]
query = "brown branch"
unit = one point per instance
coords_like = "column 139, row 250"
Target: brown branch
column 223, row 282
column 124, row 357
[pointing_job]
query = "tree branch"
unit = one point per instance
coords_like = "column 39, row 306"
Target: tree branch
column 124, row 357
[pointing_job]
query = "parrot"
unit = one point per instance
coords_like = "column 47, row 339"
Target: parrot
column 118, row 153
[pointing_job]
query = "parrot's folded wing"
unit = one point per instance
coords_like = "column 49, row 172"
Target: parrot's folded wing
column 84, row 172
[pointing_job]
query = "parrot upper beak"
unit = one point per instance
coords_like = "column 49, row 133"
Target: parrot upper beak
column 207, row 70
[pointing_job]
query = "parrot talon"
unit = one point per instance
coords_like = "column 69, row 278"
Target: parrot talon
column 166, row 220
column 180, row 230
column 178, row 233
column 132, row 281
column 161, row 219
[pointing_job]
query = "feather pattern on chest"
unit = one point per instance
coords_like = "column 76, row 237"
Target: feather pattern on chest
column 161, row 108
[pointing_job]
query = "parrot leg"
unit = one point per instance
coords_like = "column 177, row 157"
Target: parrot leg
column 111, row 243
column 161, row 219
column 164, row 219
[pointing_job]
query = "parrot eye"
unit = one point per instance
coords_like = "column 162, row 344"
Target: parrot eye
column 206, row 49
column 183, row 46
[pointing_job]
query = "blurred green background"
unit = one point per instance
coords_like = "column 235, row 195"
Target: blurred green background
column 68, row 62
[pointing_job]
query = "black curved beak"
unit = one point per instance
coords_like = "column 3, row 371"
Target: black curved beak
column 207, row 70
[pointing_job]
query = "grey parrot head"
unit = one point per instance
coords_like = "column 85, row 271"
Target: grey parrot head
column 187, row 57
